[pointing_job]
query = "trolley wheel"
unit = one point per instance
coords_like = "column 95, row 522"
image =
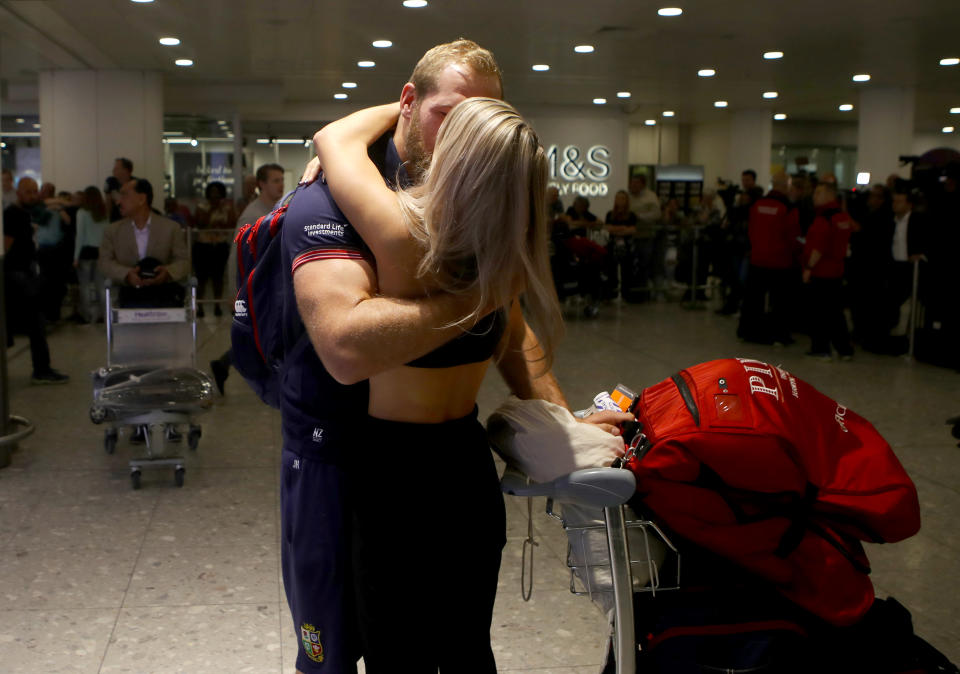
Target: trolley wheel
column 193, row 437
column 110, row 440
column 135, row 479
column 178, row 476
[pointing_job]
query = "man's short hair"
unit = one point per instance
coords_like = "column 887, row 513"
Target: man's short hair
column 462, row 52
column 263, row 173
column 751, row 173
column 126, row 163
column 143, row 186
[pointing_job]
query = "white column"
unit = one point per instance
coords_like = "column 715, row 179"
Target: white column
column 90, row 117
column 751, row 139
column 885, row 131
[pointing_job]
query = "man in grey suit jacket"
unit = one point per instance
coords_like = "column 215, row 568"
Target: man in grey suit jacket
column 142, row 234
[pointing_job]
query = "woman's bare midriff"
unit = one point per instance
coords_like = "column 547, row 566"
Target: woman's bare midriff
column 426, row 395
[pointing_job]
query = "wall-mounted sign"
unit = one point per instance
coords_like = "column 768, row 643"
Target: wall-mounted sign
column 573, row 171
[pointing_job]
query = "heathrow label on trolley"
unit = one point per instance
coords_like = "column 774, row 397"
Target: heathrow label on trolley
column 172, row 315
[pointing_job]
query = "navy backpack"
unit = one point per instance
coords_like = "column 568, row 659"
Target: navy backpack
column 257, row 331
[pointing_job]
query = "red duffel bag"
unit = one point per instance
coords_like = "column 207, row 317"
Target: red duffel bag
column 748, row 461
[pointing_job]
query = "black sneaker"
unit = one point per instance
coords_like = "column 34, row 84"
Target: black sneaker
column 220, row 373
column 51, row 376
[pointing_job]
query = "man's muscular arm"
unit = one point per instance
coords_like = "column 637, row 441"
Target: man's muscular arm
column 358, row 334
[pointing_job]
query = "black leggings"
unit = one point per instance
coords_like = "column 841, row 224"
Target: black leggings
column 429, row 528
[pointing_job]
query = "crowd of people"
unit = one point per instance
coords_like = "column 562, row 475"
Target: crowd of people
column 803, row 258
column 60, row 248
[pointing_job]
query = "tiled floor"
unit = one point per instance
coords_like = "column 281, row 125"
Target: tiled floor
column 95, row 577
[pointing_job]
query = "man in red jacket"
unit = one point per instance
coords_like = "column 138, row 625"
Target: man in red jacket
column 774, row 228
column 823, row 258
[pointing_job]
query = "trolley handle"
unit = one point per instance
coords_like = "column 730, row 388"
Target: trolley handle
column 591, row 487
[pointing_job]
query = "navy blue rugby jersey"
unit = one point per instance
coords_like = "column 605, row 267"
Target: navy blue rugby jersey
column 316, row 409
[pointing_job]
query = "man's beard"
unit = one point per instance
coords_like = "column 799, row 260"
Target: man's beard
column 418, row 160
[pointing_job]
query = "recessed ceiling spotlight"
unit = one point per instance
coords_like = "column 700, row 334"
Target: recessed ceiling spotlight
column 720, row 104
column 540, row 67
column 669, row 11
column 365, row 64
column 955, row 111
column 142, row 2
column 779, row 116
column 650, row 122
column 20, row 120
column 193, row 141
column 770, row 94
column 340, row 96
column 948, row 129
column 623, row 94
column 949, row 62
column 36, row 126
column 221, row 122
column 862, row 77
column 382, row 44
column 349, row 85
column 583, row 48
column 599, row 101
column 184, row 63
column 772, row 55
column 669, row 113
column 169, row 41
column 414, row 4
column 846, row 107
column 706, row 72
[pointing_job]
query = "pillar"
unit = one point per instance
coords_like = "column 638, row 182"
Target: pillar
column 751, row 140
column 88, row 118
column 885, row 131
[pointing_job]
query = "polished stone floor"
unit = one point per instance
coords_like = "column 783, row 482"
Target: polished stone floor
column 96, row 577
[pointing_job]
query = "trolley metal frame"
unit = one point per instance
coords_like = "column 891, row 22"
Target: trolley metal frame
column 608, row 489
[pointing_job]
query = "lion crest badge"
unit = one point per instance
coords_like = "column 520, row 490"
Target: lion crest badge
column 310, row 638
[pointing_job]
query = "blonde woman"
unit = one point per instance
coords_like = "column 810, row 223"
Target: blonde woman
column 478, row 220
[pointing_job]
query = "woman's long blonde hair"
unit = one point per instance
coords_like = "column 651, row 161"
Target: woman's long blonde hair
column 480, row 215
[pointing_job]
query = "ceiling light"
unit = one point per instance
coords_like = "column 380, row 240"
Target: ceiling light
column 193, row 142
column 650, row 122
column 846, row 107
column 955, row 111
column 863, row 178
column 142, row 2
column 540, row 67
column 414, row 4
column 382, row 44
column 863, row 77
column 184, row 63
column 365, row 64
column 706, row 72
column 669, row 11
column 169, row 41
column 20, row 120
column 36, row 126
column 340, row 96
column 221, row 121
column 599, row 101
column 949, row 62
column 669, row 113
column 719, row 104
column 263, row 141
column 583, row 48
column 772, row 55
column 779, row 116
column 770, row 94
column 948, row 129
column 623, row 94
column 349, row 85
column 3, row 145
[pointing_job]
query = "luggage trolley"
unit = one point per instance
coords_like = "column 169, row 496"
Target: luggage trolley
column 610, row 555
column 150, row 383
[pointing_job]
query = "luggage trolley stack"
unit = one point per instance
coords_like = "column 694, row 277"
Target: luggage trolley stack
column 150, row 384
column 610, row 553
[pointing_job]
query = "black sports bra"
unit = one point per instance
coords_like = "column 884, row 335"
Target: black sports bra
column 473, row 346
